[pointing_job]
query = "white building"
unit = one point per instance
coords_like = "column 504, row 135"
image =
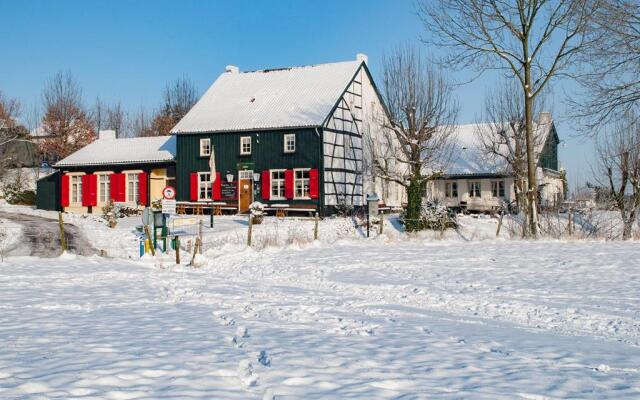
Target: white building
column 475, row 181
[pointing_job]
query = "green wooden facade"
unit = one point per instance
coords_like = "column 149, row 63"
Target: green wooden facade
column 549, row 155
column 48, row 192
column 267, row 152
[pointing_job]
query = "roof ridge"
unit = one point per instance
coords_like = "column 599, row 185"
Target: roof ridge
column 296, row 67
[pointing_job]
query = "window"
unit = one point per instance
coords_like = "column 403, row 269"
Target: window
column 474, row 189
column 76, row 189
column 497, row 188
column 290, row 143
column 245, row 174
column 133, row 185
column 277, row 184
column 205, row 147
column 104, row 188
column 451, row 189
column 301, row 184
column 204, row 186
column 245, row 145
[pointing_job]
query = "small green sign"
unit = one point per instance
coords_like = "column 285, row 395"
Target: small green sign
column 248, row 165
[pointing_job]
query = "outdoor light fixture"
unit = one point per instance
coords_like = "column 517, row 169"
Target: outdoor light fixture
column 229, row 177
column 256, row 177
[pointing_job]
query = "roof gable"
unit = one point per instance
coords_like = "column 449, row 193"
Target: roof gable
column 270, row 99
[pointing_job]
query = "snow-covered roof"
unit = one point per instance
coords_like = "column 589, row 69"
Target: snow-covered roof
column 271, row 98
column 108, row 151
column 468, row 157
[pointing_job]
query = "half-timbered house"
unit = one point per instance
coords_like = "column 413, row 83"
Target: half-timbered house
column 287, row 136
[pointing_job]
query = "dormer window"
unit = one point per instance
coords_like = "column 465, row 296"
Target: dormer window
column 290, row 143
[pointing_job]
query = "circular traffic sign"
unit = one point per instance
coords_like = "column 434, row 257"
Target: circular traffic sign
column 169, row 193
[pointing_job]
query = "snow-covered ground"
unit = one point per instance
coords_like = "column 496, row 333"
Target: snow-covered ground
column 465, row 316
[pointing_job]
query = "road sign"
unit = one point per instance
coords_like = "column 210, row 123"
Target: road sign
column 147, row 216
column 169, row 193
column 168, row 206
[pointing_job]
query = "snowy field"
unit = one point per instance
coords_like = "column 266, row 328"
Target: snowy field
column 340, row 318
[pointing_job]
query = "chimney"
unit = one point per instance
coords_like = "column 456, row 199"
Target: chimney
column 232, row 69
column 544, row 118
column 362, row 57
column 107, row 134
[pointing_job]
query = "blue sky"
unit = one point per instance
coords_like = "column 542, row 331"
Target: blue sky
column 129, row 50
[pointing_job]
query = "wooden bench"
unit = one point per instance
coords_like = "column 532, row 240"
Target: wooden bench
column 281, row 210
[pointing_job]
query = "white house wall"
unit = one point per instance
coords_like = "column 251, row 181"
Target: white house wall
column 486, row 201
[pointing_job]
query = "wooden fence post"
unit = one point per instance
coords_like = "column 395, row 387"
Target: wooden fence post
column 499, row 223
column 315, row 228
column 569, row 224
column 199, row 242
column 177, row 241
column 381, row 223
column 249, row 231
column 63, row 239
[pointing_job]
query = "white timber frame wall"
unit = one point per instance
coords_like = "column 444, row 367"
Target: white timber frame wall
column 343, row 148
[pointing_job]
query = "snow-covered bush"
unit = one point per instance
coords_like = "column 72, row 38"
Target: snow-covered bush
column 433, row 216
column 257, row 212
column 109, row 214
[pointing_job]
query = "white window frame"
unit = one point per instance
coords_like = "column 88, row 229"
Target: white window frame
column 205, row 143
column 279, row 186
column 99, row 176
column 200, row 183
column 126, row 187
column 496, row 192
column 245, row 140
column 448, row 189
column 78, row 193
column 295, row 183
column 287, row 139
column 472, row 191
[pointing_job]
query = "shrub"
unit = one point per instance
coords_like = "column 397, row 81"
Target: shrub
column 433, row 216
column 109, row 214
column 257, row 212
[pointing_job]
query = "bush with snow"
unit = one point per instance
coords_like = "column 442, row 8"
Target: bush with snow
column 256, row 209
column 434, row 216
column 109, row 214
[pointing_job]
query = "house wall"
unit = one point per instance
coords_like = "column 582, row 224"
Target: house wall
column 153, row 185
column 486, row 201
column 551, row 192
column 267, row 152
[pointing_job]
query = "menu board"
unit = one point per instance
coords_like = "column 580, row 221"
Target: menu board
column 228, row 190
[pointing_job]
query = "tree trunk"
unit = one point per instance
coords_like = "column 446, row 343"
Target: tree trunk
column 415, row 192
column 532, row 189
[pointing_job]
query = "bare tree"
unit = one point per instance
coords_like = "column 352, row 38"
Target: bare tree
column 502, row 137
column 416, row 142
column 109, row 116
column 531, row 41
column 140, row 124
column 65, row 121
column 611, row 81
column 10, row 128
column 619, row 165
column 179, row 96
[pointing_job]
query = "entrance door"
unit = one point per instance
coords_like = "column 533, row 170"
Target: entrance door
column 245, row 181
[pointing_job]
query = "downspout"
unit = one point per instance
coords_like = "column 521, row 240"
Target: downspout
column 321, row 177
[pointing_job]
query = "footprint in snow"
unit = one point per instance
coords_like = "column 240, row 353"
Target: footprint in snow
column 242, row 332
column 263, row 358
column 246, row 374
column 236, row 343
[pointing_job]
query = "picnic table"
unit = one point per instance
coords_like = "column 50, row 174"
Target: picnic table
column 217, row 207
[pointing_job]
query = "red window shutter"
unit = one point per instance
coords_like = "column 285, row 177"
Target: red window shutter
column 216, row 190
column 143, row 198
column 89, row 190
column 193, row 189
column 122, row 188
column 266, row 184
column 64, row 191
column 288, row 184
column 313, row 183
column 93, row 189
column 86, row 187
column 113, row 187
